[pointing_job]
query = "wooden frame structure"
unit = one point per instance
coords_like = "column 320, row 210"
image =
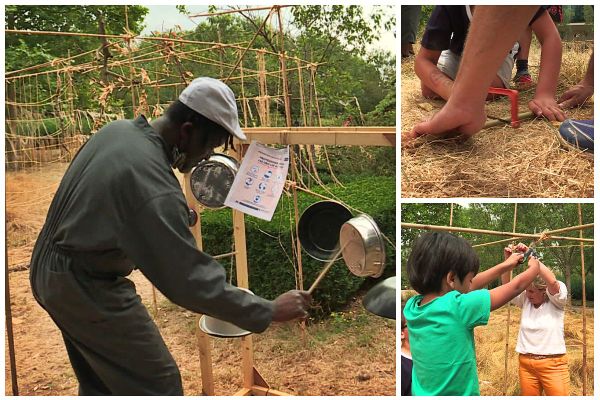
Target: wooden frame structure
column 546, row 235
column 252, row 381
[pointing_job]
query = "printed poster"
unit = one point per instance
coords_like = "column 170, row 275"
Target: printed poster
column 259, row 182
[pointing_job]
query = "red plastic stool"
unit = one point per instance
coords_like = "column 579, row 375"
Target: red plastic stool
column 513, row 95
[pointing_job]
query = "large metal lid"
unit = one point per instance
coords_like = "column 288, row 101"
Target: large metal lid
column 212, row 179
column 381, row 298
column 319, row 228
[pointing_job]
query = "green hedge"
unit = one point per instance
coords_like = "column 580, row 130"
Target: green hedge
column 269, row 245
column 576, row 287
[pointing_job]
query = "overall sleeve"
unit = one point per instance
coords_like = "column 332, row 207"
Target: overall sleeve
column 157, row 239
column 474, row 307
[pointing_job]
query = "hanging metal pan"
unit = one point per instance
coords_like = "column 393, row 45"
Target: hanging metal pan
column 362, row 246
column 211, row 180
column 222, row 329
column 381, row 299
column 319, row 228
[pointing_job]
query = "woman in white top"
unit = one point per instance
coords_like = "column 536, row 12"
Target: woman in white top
column 541, row 343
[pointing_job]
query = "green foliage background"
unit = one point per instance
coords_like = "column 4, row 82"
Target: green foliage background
column 269, row 245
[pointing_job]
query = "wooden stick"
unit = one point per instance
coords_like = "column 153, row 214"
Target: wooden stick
column 249, row 44
column 497, row 242
column 584, row 353
column 324, row 270
column 489, row 232
column 522, row 116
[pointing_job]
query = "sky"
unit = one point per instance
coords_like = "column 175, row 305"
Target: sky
column 161, row 18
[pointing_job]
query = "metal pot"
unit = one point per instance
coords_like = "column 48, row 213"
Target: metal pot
column 319, row 229
column 362, row 245
column 381, row 299
column 222, row 329
column 211, row 180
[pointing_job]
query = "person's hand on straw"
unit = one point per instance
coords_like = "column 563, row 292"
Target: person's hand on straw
column 547, row 107
column 576, row 95
column 466, row 120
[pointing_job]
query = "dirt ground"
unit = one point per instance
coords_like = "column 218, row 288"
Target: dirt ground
column 501, row 161
column 352, row 353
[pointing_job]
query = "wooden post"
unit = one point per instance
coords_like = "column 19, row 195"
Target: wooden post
column 584, row 354
column 241, row 267
column 204, row 341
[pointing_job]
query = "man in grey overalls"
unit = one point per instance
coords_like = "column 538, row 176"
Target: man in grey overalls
column 120, row 205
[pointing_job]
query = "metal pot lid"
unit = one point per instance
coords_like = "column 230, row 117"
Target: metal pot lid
column 363, row 247
column 381, row 299
column 319, row 228
column 221, row 329
column 211, row 180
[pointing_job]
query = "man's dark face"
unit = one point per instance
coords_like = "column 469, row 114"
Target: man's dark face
column 201, row 142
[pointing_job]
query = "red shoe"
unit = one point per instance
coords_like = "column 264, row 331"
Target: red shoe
column 523, row 80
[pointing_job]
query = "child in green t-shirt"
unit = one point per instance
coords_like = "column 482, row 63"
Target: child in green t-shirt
column 443, row 269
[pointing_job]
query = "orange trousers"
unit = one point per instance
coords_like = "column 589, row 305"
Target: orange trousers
column 548, row 374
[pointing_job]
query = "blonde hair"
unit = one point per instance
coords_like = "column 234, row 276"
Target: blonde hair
column 539, row 283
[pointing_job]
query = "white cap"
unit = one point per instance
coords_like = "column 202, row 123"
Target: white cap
column 215, row 101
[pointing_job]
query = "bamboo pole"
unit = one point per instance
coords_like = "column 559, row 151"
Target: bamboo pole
column 9, row 326
column 508, row 318
column 571, row 228
column 250, row 44
column 522, row 116
column 489, row 232
column 237, row 10
column 451, row 212
column 496, row 242
column 584, row 353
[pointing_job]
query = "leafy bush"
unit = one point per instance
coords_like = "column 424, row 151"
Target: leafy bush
column 269, row 246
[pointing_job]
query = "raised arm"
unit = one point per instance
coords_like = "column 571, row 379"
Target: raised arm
column 550, row 279
column 482, row 279
column 544, row 100
column 503, row 294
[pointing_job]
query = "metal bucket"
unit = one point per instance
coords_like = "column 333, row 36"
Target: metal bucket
column 362, row 245
column 319, row 229
column 211, row 180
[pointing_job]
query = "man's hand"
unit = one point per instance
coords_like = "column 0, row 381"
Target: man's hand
column 575, row 96
column 452, row 118
column 291, row 305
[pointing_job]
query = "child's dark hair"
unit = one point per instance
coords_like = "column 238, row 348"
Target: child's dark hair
column 179, row 113
column 402, row 318
column 434, row 255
